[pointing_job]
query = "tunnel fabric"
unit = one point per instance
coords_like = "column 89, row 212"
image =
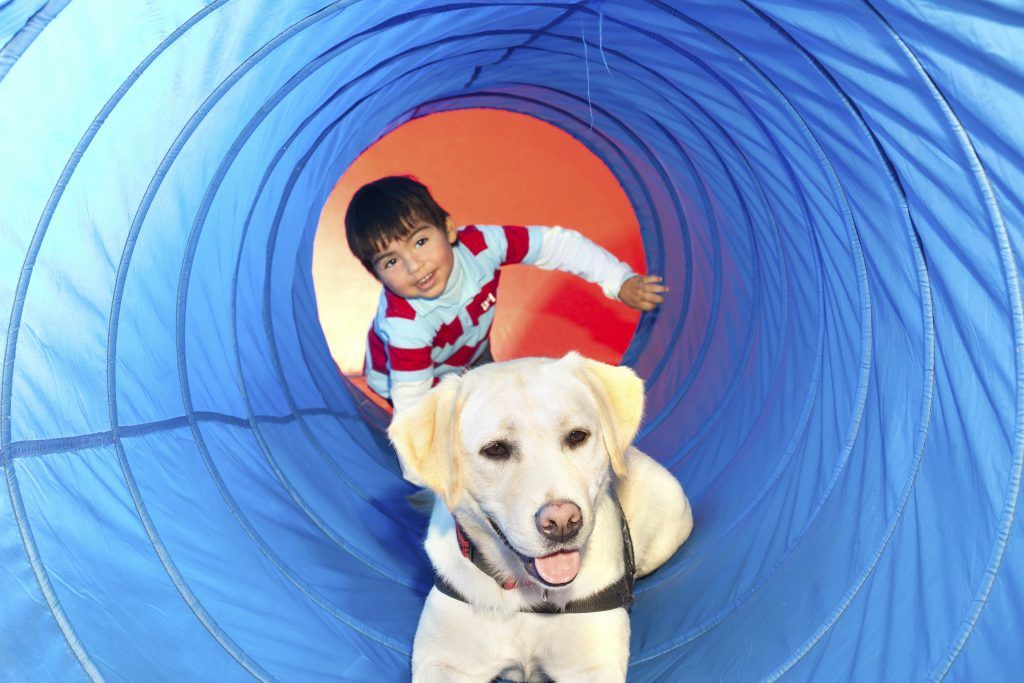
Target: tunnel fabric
column 831, row 193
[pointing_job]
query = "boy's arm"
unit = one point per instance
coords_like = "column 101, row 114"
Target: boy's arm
column 563, row 249
column 404, row 357
column 406, row 385
column 569, row 251
column 404, row 394
column 410, row 375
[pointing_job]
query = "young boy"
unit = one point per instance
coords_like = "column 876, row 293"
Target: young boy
column 441, row 283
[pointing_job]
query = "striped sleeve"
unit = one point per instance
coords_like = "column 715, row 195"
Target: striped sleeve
column 567, row 250
column 553, row 248
column 503, row 245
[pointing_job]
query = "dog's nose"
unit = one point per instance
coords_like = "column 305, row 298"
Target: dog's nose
column 560, row 521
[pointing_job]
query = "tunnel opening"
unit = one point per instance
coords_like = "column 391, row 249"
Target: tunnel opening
column 489, row 167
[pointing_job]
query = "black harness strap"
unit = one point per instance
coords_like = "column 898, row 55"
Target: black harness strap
column 618, row 594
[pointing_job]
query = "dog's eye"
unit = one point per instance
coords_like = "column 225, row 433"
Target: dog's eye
column 576, row 437
column 499, row 450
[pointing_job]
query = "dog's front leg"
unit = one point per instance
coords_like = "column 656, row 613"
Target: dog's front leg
column 455, row 643
column 591, row 647
column 451, row 665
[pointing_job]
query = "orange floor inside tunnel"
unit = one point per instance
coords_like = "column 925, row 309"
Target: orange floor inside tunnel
column 490, row 167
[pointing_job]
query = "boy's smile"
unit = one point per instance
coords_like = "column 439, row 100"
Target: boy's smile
column 418, row 265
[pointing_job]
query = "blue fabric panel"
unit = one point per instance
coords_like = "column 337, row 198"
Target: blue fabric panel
column 995, row 634
column 830, row 190
column 107, row 576
column 24, row 605
column 65, row 108
column 318, row 630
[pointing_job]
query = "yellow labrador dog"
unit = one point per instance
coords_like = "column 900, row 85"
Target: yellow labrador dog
column 544, row 514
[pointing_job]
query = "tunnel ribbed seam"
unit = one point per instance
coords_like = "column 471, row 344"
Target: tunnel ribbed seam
column 24, row 278
column 1014, row 296
column 660, row 577
column 929, row 368
column 204, row 617
column 22, row 39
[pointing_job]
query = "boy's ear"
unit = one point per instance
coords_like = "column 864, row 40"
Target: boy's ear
column 620, row 398
column 426, row 437
column 449, row 228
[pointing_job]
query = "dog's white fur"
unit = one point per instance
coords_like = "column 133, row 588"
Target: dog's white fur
column 532, row 405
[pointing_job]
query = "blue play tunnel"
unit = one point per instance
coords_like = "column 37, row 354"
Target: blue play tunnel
column 832, row 190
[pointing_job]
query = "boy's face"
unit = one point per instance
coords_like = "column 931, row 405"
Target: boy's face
column 418, row 265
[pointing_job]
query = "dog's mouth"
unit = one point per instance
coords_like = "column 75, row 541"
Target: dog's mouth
column 554, row 570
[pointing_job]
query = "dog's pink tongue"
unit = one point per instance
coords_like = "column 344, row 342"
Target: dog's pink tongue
column 558, row 568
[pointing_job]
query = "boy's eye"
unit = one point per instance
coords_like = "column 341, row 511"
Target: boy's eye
column 421, row 241
column 387, row 264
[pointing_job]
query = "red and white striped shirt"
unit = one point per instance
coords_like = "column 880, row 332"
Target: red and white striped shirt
column 413, row 342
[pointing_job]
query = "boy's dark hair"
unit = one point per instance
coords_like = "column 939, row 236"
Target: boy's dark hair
column 388, row 209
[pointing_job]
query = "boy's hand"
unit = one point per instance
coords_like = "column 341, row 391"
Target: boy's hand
column 642, row 292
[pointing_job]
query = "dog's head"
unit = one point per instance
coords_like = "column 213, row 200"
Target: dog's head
column 526, row 448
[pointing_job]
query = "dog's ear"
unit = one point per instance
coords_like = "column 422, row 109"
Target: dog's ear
column 620, row 394
column 425, row 435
